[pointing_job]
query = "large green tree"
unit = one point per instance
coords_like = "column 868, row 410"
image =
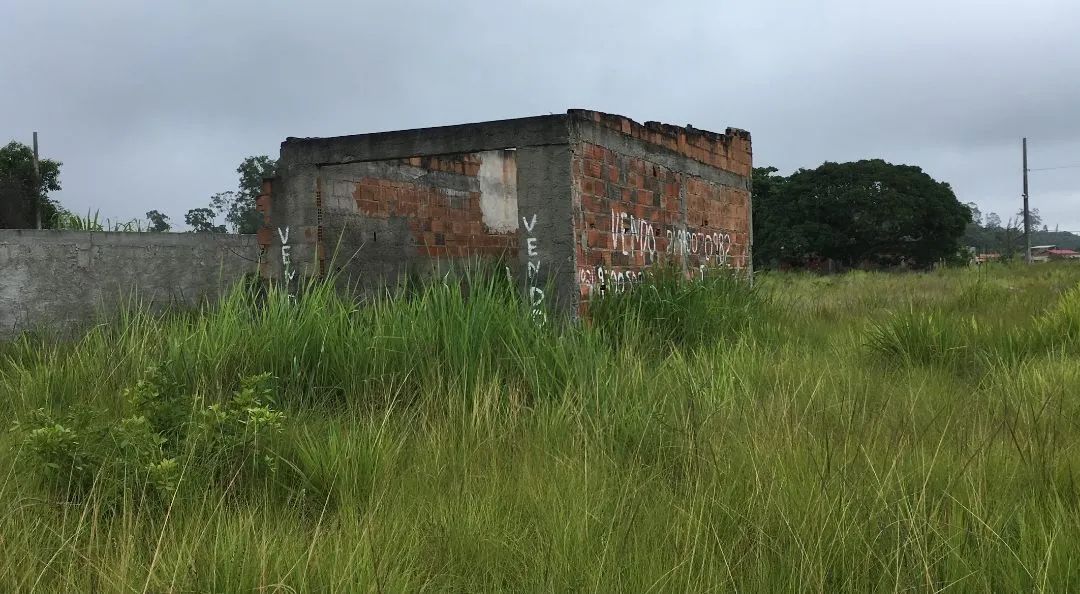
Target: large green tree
column 238, row 207
column 18, row 187
column 867, row 212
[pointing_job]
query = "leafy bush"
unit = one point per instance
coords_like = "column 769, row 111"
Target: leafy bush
column 59, row 453
column 162, row 402
column 238, row 435
column 81, row 453
column 86, row 452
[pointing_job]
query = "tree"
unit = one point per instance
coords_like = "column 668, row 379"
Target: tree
column 770, row 219
column 993, row 221
column 1009, row 237
column 865, row 212
column 18, row 188
column 976, row 214
column 239, row 206
column 201, row 220
column 158, row 221
column 1035, row 219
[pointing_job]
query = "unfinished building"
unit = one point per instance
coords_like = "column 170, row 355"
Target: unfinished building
column 577, row 203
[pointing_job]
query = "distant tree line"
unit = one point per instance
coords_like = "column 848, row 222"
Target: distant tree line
column 21, row 192
column 989, row 234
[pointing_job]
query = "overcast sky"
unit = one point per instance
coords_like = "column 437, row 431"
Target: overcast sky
column 152, row 104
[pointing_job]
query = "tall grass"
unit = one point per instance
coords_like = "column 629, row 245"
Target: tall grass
column 869, row 432
column 69, row 221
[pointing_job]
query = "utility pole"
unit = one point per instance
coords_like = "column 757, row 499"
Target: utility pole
column 37, row 184
column 1027, row 213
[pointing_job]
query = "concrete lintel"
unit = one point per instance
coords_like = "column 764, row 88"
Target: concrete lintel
column 395, row 171
column 441, row 140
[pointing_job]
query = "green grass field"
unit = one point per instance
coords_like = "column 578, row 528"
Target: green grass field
column 864, row 432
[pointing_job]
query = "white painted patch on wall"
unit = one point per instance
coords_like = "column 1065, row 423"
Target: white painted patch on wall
column 498, row 190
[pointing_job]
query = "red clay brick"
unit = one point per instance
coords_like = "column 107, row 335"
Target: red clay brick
column 593, row 168
column 593, row 151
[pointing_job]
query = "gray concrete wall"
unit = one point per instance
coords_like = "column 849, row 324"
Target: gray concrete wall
column 64, row 280
column 546, row 228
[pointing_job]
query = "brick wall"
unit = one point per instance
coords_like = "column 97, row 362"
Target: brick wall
column 382, row 219
column 265, row 235
column 444, row 220
column 577, row 203
column 633, row 209
column 729, row 151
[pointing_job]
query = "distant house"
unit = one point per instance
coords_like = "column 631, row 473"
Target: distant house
column 1045, row 253
column 1040, row 253
column 1062, row 254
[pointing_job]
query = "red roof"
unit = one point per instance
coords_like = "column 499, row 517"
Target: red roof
column 1063, row 252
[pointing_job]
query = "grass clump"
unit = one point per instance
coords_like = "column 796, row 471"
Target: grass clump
column 962, row 334
column 669, row 312
column 1059, row 327
column 914, row 337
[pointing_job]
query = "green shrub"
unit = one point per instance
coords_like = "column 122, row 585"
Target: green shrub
column 163, row 403
column 238, row 436
column 88, row 451
column 82, row 453
column 60, row 456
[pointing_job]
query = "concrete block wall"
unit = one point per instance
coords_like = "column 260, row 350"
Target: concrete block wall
column 576, row 203
column 65, row 280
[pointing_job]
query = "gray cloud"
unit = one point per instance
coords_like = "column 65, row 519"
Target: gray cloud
column 152, row 105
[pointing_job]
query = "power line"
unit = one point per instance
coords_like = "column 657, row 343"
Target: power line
column 1052, row 168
